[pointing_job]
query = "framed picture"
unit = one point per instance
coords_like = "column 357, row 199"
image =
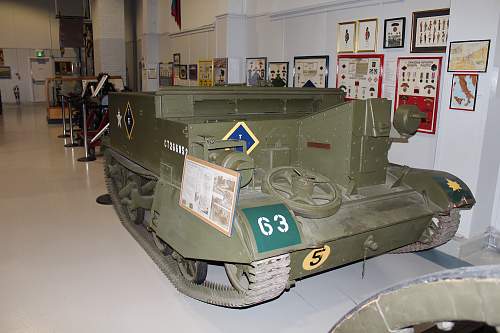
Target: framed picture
column 5, row 72
column 209, row 192
column 256, row 70
column 469, row 56
column 183, row 72
column 278, row 73
column 165, row 74
column 360, row 76
column 177, row 58
column 193, row 72
column 205, row 73
column 464, row 92
column 394, row 33
column 418, row 82
column 346, row 37
column 220, row 71
column 310, row 72
column 367, row 35
column 429, row 31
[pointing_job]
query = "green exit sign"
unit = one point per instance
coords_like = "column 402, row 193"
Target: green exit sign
column 40, row 53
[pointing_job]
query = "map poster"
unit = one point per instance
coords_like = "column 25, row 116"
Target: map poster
column 346, row 37
column 310, row 72
column 469, row 56
column 429, row 31
column 210, row 192
column 205, row 73
column 360, row 76
column 464, row 92
column 417, row 82
column 278, row 74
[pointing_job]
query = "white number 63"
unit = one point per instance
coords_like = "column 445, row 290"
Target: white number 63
column 267, row 229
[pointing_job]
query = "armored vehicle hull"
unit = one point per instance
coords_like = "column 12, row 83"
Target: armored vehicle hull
column 317, row 191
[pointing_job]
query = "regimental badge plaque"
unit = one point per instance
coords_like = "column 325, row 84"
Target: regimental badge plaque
column 360, row 76
column 417, row 83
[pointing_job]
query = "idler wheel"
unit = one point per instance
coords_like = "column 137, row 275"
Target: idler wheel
column 238, row 276
column 306, row 192
column 192, row 270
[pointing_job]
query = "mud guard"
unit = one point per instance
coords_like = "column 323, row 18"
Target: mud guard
column 442, row 188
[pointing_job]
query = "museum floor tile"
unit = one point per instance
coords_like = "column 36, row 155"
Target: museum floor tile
column 67, row 264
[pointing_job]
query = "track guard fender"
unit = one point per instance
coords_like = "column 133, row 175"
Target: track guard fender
column 442, row 188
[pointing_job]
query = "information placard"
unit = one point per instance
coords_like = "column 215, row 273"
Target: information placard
column 209, row 192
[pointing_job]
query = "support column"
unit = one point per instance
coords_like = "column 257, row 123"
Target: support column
column 467, row 144
column 231, row 42
column 108, row 22
column 150, row 44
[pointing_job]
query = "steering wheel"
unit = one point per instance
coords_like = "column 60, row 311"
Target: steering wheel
column 306, row 192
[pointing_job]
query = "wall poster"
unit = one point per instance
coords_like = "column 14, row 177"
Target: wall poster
column 193, row 72
column 177, row 58
column 394, row 33
column 2, row 58
column 367, row 35
column 310, row 72
column 469, row 56
column 256, row 70
column 209, row 192
column 165, row 74
column 429, row 31
column 346, row 37
column 205, row 73
column 360, row 76
column 183, row 72
column 220, row 71
column 5, row 72
column 417, row 83
column 278, row 74
column 464, row 92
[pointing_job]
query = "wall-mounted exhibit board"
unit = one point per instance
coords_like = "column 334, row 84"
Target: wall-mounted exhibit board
column 360, row 76
column 310, row 71
column 417, row 83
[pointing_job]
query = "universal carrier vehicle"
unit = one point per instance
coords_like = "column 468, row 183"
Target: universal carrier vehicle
column 316, row 189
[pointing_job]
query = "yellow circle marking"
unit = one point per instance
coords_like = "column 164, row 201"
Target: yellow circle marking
column 316, row 258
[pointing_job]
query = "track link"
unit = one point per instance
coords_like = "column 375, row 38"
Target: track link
column 444, row 231
column 268, row 278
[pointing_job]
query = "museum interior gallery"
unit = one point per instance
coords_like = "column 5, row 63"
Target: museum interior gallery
column 249, row 166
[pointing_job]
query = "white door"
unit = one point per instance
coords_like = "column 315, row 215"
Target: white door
column 40, row 71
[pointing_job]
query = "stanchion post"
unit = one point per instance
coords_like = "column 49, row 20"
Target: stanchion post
column 87, row 157
column 65, row 132
column 71, row 135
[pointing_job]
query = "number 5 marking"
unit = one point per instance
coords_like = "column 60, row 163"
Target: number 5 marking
column 316, row 258
column 265, row 227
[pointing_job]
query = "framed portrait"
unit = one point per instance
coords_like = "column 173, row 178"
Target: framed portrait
column 165, row 74
column 193, row 72
column 469, row 56
column 278, row 73
column 256, row 70
column 464, row 92
column 310, row 71
column 5, row 72
column 183, row 72
column 394, row 33
column 429, row 31
column 205, row 73
column 367, row 35
column 346, row 37
column 359, row 75
column 220, row 71
column 177, row 59
column 210, row 192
